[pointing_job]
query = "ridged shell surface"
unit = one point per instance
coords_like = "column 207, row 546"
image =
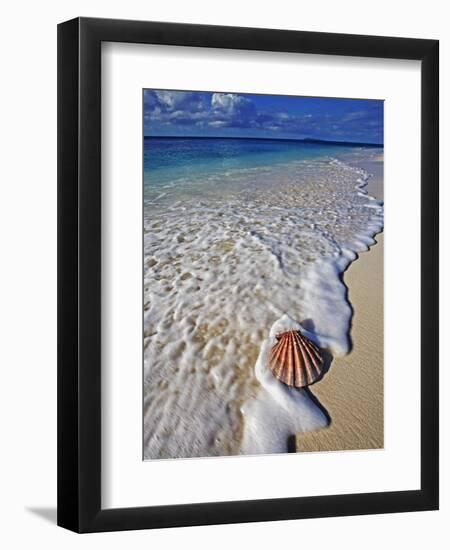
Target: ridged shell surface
column 295, row 360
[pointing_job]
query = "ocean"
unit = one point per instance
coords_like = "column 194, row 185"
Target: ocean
column 243, row 238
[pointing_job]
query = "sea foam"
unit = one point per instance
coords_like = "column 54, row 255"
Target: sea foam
column 230, row 260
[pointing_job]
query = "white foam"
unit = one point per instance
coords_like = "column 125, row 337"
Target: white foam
column 228, row 259
column 277, row 411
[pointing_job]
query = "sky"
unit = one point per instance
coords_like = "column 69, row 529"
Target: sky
column 179, row 113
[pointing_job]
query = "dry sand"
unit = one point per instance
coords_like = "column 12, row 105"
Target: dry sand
column 352, row 390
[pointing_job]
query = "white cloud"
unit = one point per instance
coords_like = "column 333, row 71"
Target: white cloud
column 231, row 103
column 217, row 123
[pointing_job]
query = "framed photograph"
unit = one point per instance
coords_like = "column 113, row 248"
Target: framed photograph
column 237, row 340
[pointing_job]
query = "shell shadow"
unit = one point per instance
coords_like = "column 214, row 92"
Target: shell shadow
column 318, row 404
column 309, row 325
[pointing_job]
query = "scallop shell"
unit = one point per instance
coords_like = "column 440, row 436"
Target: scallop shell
column 295, row 360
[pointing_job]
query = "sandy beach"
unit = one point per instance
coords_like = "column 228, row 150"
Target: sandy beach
column 352, row 390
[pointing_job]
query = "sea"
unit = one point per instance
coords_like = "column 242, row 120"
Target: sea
column 244, row 238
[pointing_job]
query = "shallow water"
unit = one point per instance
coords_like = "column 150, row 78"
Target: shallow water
column 230, row 257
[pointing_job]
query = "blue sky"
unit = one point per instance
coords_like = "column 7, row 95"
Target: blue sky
column 177, row 113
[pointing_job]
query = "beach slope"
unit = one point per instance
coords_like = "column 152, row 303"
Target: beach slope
column 352, row 391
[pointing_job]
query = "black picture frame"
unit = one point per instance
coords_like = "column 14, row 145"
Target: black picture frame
column 79, row 274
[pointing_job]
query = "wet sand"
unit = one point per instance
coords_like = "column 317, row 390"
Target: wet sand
column 352, row 390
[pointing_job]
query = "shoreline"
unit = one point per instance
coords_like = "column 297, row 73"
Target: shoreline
column 352, row 391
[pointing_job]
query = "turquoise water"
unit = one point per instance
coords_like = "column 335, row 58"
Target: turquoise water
column 167, row 160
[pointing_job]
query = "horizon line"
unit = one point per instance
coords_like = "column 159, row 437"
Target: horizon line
column 304, row 140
